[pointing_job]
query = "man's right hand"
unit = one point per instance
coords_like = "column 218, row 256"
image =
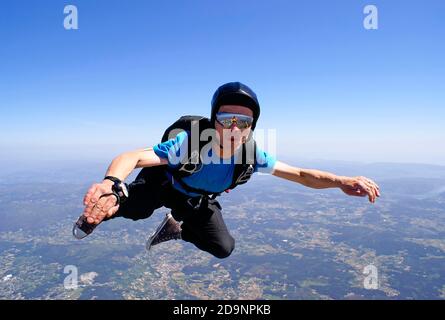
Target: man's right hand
column 97, row 208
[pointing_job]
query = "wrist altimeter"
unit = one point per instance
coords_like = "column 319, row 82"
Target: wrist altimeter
column 119, row 188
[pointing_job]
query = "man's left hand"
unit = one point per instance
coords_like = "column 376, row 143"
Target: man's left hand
column 361, row 187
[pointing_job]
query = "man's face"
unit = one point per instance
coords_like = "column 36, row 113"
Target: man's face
column 233, row 136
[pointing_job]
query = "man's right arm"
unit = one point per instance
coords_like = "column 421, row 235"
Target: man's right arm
column 97, row 208
column 122, row 166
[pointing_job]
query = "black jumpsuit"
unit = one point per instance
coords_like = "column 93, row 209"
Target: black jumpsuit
column 203, row 224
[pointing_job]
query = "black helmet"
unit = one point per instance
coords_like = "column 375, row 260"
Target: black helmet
column 235, row 93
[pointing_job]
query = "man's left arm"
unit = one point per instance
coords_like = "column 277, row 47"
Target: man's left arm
column 353, row 186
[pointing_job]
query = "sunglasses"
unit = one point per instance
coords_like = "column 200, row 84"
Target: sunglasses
column 228, row 119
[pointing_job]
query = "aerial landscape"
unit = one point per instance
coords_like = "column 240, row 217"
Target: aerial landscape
column 291, row 243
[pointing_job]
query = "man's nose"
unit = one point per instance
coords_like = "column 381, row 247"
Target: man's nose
column 234, row 127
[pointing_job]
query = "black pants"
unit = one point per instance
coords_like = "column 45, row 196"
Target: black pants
column 203, row 226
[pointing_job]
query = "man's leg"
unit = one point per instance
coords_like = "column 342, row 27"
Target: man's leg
column 207, row 230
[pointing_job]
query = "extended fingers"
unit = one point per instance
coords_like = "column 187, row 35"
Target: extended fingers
column 94, row 214
column 101, row 209
column 367, row 189
column 93, row 198
column 96, row 192
column 90, row 193
column 363, row 188
column 374, row 186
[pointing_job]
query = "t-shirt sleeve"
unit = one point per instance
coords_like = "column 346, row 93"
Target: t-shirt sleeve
column 174, row 150
column 265, row 161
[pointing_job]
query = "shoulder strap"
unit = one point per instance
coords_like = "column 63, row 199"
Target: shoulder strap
column 194, row 125
column 244, row 170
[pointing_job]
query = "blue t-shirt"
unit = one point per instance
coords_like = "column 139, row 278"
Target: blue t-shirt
column 213, row 176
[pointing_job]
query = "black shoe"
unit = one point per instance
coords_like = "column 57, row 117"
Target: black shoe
column 169, row 229
column 82, row 228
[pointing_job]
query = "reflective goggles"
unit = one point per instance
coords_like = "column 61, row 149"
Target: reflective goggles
column 228, row 119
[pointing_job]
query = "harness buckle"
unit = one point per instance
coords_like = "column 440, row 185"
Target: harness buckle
column 198, row 205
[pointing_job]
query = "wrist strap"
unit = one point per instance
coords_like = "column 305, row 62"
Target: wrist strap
column 118, row 199
column 114, row 179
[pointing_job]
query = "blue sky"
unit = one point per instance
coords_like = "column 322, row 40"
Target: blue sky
column 330, row 88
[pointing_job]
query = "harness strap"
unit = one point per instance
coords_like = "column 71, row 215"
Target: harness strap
column 194, row 203
column 188, row 188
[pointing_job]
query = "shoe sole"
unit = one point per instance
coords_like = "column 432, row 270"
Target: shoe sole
column 80, row 234
column 154, row 234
